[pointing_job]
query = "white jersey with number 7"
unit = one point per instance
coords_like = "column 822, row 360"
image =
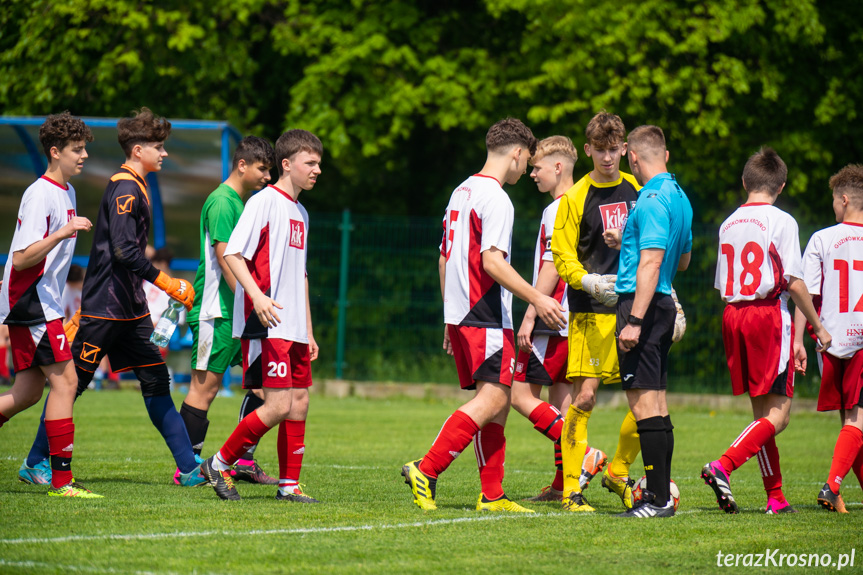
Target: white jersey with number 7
column 759, row 250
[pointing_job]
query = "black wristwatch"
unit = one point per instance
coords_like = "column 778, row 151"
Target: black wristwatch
column 632, row 320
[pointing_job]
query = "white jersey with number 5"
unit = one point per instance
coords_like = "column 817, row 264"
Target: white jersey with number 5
column 833, row 269
column 759, row 250
column 479, row 216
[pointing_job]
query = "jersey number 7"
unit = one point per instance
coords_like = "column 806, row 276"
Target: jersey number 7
column 842, row 267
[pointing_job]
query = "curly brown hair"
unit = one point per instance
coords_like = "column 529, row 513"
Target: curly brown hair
column 507, row 133
column 59, row 130
column 605, row 131
column 849, row 181
column 144, row 127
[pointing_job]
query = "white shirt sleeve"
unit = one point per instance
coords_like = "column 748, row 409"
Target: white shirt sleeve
column 812, row 262
column 548, row 217
column 497, row 219
column 33, row 222
column 788, row 245
column 246, row 236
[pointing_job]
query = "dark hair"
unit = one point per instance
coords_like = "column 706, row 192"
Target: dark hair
column 647, row 141
column 507, row 133
column 764, row 171
column 253, row 149
column 76, row 273
column 605, row 131
column 144, row 127
column 60, row 129
column 296, row 141
column 164, row 254
column 849, row 181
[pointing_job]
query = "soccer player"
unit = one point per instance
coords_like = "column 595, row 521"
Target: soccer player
column 214, row 349
column 833, row 271
column 267, row 254
column 31, row 300
column 657, row 242
column 114, row 319
column 599, row 202
column 477, row 283
column 758, row 267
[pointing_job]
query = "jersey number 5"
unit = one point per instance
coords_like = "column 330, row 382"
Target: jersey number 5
column 751, row 259
column 450, row 234
column 842, row 267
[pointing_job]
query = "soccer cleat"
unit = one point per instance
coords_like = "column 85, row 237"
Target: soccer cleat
column 73, row 490
column 194, row 478
column 40, row 474
column 422, row 486
column 593, row 463
column 296, row 497
column 646, row 509
column 831, row 501
column 548, row 493
column 252, row 474
column 502, row 504
column 576, row 502
column 774, row 507
column 714, row 476
column 221, row 481
column 620, row 486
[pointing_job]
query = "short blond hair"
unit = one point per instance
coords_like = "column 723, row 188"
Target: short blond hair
column 555, row 146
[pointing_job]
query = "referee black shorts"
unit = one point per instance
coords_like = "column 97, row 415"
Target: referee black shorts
column 646, row 365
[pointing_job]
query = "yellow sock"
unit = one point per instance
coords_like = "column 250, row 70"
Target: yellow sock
column 573, row 443
column 628, row 447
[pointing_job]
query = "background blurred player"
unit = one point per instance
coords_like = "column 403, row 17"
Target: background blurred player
column 267, row 254
column 114, row 319
column 758, row 266
column 833, row 271
column 31, row 301
column 657, row 242
column 214, row 350
column 475, row 275
column 600, row 201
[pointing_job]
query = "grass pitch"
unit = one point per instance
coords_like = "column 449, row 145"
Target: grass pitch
column 368, row 522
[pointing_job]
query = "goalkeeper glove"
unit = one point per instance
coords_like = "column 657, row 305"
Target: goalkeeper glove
column 679, row 320
column 71, row 326
column 178, row 289
column 600, row 288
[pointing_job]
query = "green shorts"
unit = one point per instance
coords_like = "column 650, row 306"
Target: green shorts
column 213, row 347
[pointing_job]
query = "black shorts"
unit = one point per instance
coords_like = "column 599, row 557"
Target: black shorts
column 646, row 365
column 126, row 343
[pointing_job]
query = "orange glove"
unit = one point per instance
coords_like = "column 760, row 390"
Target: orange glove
column 179, row 289
column 71, row 326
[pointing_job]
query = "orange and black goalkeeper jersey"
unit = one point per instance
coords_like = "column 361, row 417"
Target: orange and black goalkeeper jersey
column 586, row 210
column 118, row 266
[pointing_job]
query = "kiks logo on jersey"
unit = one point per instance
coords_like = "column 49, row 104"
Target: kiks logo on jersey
column 613, row 216
column 298, row 234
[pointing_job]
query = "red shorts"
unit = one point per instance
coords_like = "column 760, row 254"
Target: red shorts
column 482, row 354
column 841, row 382
column 40, row 344
column 758, row 336
column 546, row 362
column 275, row 363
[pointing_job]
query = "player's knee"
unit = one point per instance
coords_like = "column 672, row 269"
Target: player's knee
column 780, row 421
column 154, row 380
column 28, row 397
column 586, row 400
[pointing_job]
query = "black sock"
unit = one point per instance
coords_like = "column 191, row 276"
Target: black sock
column 652, row 434
column 669, row 442
column 196, row 424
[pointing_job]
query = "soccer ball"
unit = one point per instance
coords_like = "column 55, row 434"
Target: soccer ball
column 639, row 488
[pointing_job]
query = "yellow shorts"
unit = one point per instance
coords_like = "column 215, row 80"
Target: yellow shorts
column 593, row 347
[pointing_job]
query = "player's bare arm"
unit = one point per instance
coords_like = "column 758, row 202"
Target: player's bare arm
column 265, row 307
column 547, row 308
column 683, row 264
column 441, row 267
column 800, row 358
column 36, row 252
column 546, row 281
column 803, row 301
column 646, row 279
column 230, row 279
column 313, row 345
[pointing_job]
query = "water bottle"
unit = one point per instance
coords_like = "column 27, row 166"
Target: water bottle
column 167, row 324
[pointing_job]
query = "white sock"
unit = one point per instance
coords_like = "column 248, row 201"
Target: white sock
column 219, row 463
column 287, row 486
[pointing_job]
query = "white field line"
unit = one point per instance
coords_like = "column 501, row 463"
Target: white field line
column 29, row 566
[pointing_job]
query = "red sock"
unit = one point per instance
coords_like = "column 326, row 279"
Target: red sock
column 4, row 367
column 547, row 420
column 846, row 451
column 771, row 474
column 558, row 463
column 61, row 437
column 858, row 467
column 456, row 434
column 291, row 448
column 747, row 444
column 490, row 447
column 3, row 419
column 248, row 432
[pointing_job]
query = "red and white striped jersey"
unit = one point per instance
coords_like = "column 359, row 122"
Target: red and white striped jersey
column 759, row 250
column 272, row 235
column 479, row 216
column 34, row 295
column 833, row 269
column 543, row 257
